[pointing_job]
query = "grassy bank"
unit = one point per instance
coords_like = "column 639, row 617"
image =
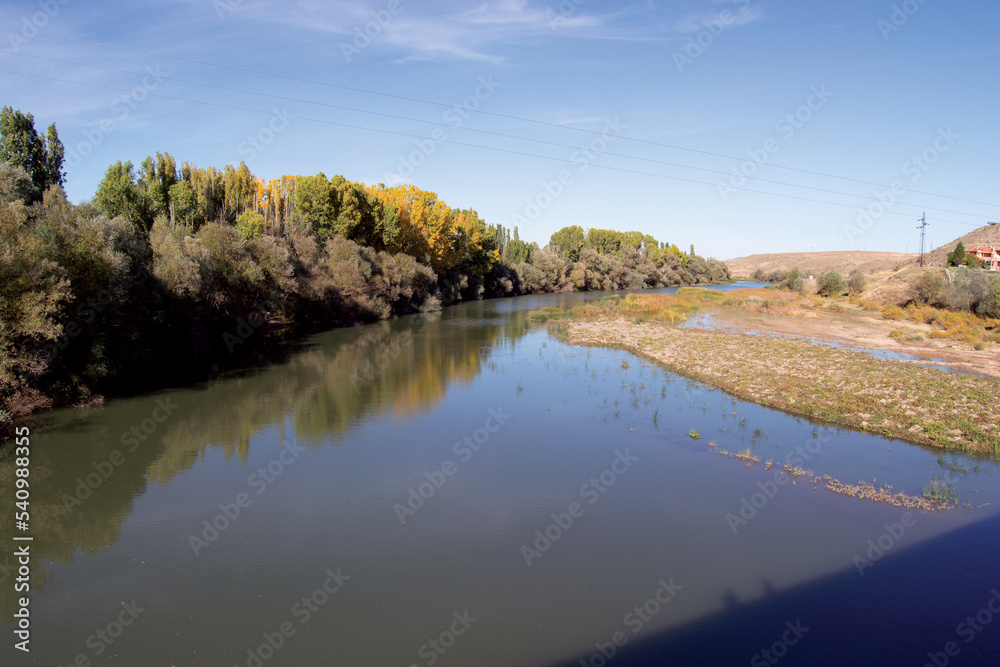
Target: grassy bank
column 840, row 386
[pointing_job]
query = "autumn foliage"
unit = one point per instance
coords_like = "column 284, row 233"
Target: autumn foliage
column 156, row 280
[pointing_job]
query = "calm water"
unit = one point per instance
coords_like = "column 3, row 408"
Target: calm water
column 464, row 489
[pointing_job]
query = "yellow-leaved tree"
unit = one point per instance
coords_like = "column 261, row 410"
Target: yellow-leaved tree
column 426, row 224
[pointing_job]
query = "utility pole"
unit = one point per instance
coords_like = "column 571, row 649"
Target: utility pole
column 922, row 228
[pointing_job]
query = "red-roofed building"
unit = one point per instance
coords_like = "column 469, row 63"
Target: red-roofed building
column 988, row 254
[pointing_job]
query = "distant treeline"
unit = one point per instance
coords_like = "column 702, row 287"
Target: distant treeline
column 175, row 271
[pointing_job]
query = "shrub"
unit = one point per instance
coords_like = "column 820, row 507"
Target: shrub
column 968, row 290
column 376, row 285
column 15, row 184
column 793, row 281
column 856, row 282
column 892, row 313
column 832, row 284
column 927, row 288
column 990, row 305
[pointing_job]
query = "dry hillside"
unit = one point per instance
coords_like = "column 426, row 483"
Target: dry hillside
column 989, row 235
column 844, row 261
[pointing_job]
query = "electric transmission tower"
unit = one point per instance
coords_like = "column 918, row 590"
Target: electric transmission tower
column 923, row 228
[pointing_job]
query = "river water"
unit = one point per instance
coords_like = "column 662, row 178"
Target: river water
column 463, row 488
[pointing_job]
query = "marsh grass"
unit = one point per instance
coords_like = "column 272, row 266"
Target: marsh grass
column 941, row 493
column 832, row 385
column 669, row 308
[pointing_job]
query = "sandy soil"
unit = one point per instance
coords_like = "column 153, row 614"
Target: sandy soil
column 854, row 327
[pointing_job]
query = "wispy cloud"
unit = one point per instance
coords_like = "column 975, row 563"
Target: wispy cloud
column 739, row 13
column 454, row 30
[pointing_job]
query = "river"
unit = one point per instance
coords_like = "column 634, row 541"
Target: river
column 464, row 488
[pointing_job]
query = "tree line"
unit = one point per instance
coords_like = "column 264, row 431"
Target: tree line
column 174, row 271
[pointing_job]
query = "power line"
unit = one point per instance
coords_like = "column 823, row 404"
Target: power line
column 481, row 131
column 451, row 141
column 481, row 111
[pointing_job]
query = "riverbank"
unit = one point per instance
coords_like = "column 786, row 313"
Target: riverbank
column 851, row 388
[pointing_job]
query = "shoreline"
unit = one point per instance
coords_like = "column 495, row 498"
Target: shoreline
column 844, row 387
column 266, row 342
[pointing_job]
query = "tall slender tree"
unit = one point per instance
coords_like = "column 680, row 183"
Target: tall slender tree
column 23, row 146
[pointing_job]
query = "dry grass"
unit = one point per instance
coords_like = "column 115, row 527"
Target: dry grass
column 885, row 494
column 949, row 324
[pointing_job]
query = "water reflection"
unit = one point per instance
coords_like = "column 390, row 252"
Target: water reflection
column 377, row 409
column 89, row 466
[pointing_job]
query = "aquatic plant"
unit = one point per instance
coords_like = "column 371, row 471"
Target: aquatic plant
column 941, row 493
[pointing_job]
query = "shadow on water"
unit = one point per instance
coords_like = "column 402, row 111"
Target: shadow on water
column 905, row 609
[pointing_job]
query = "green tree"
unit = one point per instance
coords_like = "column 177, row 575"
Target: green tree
column 118, row 195
column 54, row 155
column 21, row 145
column 240, row 189
column 317, row 202
column 653, row 250
column 632, row 240
column 156, row 177
column 182, row 202
column 569, row 240
column 957, row 256
column 603, row 241
column 250, row 225
column 518, row 251
column 358, row 217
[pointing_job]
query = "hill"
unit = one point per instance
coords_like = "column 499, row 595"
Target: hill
column 844, row 261
column 988, row 235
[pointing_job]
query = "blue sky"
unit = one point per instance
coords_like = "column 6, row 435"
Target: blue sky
column 545, row 114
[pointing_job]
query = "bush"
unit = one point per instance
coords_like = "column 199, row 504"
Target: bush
column 892, row 313
column 832, row 284
column 968, row 291
column 856, row 282
column 375, row 285
column 15, row 184
column 927, row 288
column 793, row 281
column 991, row 303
